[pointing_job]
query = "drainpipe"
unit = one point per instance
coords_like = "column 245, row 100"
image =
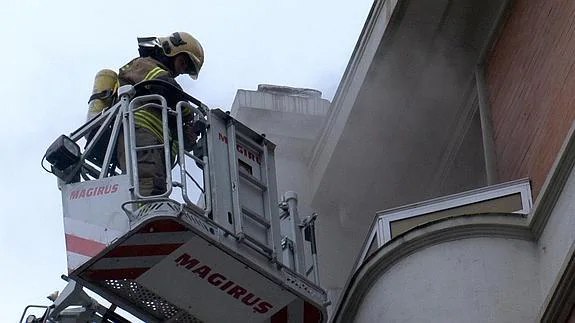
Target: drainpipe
column 483, row 98
column 486, row 126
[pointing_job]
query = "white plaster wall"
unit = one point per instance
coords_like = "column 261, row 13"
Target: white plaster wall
column 558, row 237
column 471, row 280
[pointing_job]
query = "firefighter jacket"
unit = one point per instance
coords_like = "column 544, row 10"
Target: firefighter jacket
column 143, row 69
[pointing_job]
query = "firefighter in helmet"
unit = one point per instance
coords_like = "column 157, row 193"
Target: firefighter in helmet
column 161, row 58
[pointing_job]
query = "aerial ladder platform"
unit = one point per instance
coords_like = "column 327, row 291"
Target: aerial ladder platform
column 219, row 245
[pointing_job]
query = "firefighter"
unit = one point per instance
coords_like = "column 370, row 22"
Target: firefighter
column 161, row 58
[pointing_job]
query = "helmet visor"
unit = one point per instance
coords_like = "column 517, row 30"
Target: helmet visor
column 191, row 67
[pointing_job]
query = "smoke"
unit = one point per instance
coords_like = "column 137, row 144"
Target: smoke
column 410, row 107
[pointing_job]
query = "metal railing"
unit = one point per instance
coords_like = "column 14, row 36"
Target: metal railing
column 102, row 133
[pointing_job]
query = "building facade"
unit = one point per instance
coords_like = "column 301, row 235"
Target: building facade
column 442, row 171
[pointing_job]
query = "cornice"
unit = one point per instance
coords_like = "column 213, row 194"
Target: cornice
column 357, row 68
column 557, row 305
column 554, row 184
column 348, row 77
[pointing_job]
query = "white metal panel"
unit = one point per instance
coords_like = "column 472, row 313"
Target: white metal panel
column 243, row 187
column 75, row 260
column 93, row 217
column 220, row 180
column 214, row 286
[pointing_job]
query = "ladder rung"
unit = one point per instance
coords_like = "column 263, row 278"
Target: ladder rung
column 253, row 180
column 250, row 143
column 149, row 147
column 256, row 217
column 258, row 243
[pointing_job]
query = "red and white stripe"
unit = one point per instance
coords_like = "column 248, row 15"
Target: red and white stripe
column 80, row 250
column 85, row 240
column 141, row 251
column 150, row 245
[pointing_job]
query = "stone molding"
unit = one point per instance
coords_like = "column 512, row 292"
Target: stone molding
column 351, row 82
column 502, row 225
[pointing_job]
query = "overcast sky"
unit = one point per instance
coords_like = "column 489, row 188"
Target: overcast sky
column 53, row 49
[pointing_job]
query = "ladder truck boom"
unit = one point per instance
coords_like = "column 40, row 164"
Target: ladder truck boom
column 218, row 245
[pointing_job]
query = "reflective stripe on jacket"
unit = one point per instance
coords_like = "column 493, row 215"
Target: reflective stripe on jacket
column 144, row 69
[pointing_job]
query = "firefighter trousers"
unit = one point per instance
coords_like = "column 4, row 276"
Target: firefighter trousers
column 151, row 162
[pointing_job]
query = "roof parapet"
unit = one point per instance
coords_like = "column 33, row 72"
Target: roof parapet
column 289, row 91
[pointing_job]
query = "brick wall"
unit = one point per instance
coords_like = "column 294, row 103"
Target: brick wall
column 531, row 81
